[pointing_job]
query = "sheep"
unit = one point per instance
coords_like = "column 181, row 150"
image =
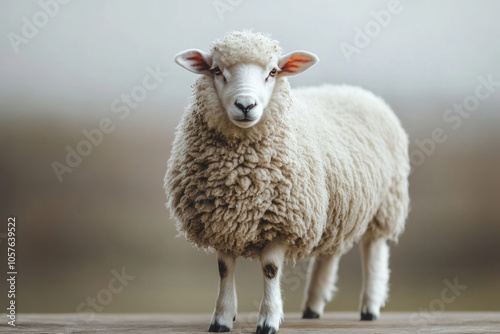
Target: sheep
column 260, row 171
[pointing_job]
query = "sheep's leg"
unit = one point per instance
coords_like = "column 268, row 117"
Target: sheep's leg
column 320, row 285
column 226, row 305
column 271, row 307
column 375, row 265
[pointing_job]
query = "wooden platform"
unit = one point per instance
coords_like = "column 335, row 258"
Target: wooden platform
column 447, row 322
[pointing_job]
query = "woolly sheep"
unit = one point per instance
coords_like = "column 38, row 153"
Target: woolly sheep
column 263, row 172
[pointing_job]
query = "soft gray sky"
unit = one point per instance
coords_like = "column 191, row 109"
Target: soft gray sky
column 93, row 51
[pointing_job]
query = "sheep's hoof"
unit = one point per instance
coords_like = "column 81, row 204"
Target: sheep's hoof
column 368, row 316
column 218, row 328
column 310, row 314
column 265, row 330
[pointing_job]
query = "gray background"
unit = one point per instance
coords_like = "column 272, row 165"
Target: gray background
column 109, row 214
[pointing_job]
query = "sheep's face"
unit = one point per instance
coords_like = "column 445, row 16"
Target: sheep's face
column 245, row 89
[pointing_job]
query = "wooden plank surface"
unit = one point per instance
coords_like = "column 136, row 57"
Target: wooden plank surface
column 341, row 322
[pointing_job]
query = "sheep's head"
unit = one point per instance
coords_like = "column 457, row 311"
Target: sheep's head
column 245, row 67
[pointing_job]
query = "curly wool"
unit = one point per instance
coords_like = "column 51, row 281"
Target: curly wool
column 318, row 171
column 239, row 47
column 232, row 190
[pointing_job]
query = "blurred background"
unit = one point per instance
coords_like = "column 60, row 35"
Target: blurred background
column 105, row 70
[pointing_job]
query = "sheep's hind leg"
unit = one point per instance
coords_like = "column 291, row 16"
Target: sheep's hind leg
column 320, row 285
column 375, row 265
column 271, row 307
column 226, row 305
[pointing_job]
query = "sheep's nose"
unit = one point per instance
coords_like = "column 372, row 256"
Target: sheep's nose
column 245, row 108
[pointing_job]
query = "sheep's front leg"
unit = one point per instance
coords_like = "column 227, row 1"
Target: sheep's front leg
column 375, row 259
column 226, row 305
column 271, row 307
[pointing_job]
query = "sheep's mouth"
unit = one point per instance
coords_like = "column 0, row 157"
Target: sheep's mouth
column 245, row 120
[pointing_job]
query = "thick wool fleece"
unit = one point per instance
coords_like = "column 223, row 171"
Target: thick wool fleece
column 240, row 47
column 323, row 167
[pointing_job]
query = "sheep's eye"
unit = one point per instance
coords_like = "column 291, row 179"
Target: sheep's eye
column 273, row 72
column 216, row 71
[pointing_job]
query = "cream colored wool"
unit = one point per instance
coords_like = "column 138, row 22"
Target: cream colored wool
column 324, row 166
column 246, row 47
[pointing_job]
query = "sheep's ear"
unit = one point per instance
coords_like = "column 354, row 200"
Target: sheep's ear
column 194, row 60
column 296, row 62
